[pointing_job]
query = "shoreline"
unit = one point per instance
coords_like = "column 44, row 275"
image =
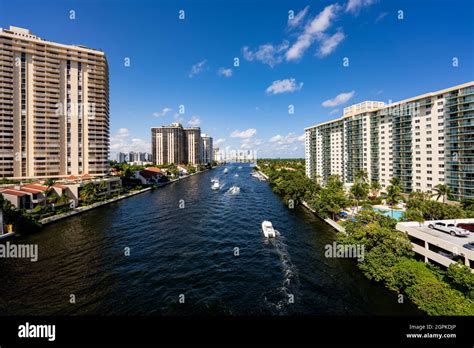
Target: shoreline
column 329, row 221
column 80, row 210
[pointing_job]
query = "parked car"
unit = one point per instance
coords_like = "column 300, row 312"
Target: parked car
column 466, row 226
column 469, row 246
column 449, row 228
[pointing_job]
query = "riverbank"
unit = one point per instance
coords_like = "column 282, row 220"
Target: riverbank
column 329, row 221
column 80, row 210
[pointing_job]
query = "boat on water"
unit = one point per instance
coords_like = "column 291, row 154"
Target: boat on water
column 239, row 167
column 236, row 175
column 234, row 189
column 213, row 180
column 226, row 171
column 216, row 185
column 267, row 229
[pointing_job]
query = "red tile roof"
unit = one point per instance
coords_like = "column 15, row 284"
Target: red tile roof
column 36, row 187
column 153, row 169
column 13, row 192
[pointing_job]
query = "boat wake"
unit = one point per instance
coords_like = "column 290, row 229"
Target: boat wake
column 281, row 298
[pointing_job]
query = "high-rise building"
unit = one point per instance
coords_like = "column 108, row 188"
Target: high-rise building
column 192, row 145
column 424, row 141
column 175, row 144
column 54, row 108
column 206, row 149
column 121, row 157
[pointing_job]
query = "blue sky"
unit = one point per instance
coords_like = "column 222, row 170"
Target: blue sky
column 282, row 63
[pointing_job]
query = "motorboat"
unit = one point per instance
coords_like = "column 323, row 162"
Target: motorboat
column 215, row 185
column 234, row 189
column 267, row 229
column 226, row 171
column 236, row 175
column 213, row 180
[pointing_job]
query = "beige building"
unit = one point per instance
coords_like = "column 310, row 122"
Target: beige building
column 175, row 144
column 424, row 141
column 54, row 108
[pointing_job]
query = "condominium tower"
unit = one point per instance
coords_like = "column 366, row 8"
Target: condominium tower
column 176, row 144
column 424, row 141
column 206, row 149
column 54, row 108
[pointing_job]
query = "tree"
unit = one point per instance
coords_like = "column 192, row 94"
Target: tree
column 462, row 278
column 88, row 193
column 442, row 190
column 413, row 215
column 375, row 188
column 50, row 182
column 393, row 193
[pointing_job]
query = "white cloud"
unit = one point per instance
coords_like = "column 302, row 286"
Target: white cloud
column 244, row 134
column 121, row 142
column 329, row 43
column 315, row 28
column 354, row 6
column 290, row 138
column 292, row 23
column 267, row 54
column 284, row 86
column 219, row 141
column 197, row 68
column 339, row 99
column 195, row 121
column 335, row 111
column 162, row 113
column 227, row 72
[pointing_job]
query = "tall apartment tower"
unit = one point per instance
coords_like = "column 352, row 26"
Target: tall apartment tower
column 207, row 152
column 175, row 144
column 192, row 144
column 424, row 141
column 54, row 108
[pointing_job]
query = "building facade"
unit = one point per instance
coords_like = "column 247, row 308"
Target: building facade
column 175, row 144
column 425, row 141
column 207, row 151
column 54, row 108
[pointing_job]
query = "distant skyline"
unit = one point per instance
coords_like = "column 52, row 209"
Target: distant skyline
column 391, row 55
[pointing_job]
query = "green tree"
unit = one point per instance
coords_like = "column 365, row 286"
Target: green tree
column 413, row 214
column 88, row 193
column 393, row 193
column 442, row 190
column 375, row 188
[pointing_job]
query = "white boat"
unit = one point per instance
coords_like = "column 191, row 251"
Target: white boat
column 215, row 185
column 236, row 175
column 268, row 230
column 234, row 189
column 239, row 167
column 226, row 171
column 213, row 180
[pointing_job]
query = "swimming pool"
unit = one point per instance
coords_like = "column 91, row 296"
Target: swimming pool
column 397, row 214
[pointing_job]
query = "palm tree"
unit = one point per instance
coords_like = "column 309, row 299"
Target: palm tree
column 393, row 192
column 375, row 188
column 50, row 182
column 88, row 192
column 442, row 190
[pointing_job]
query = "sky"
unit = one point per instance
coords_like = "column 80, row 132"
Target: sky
column 253, row 74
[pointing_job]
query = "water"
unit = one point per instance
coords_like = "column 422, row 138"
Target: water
column 190, row 252
column 396, row 214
